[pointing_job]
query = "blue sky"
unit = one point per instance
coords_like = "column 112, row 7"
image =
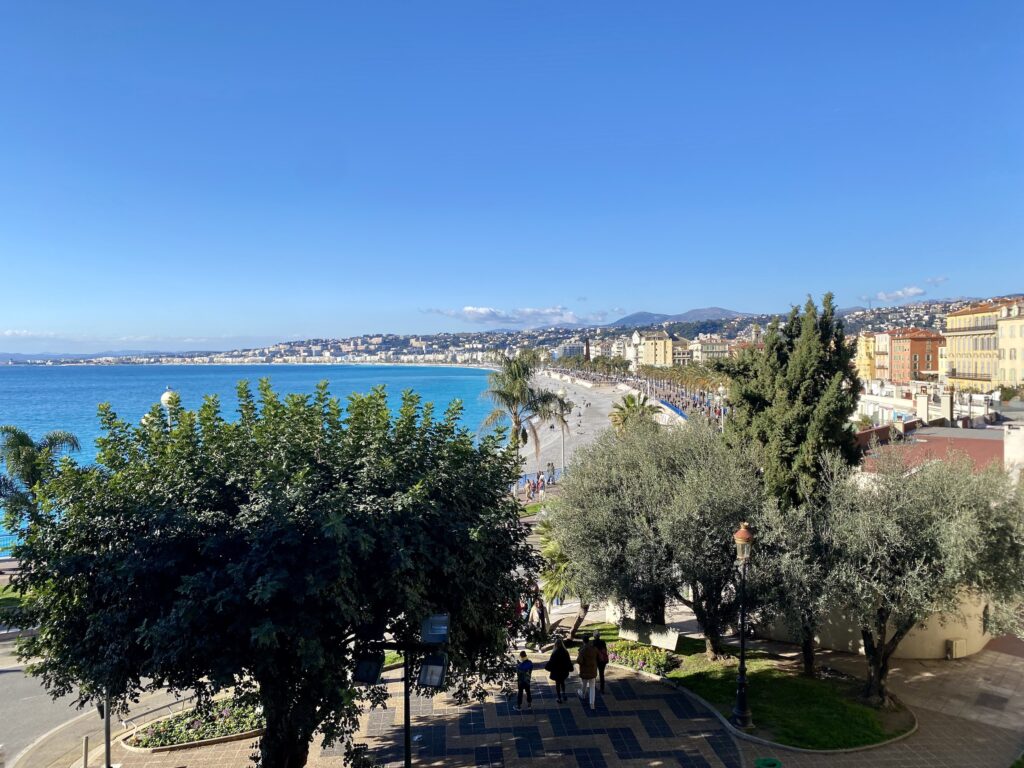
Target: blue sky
column 182, row 175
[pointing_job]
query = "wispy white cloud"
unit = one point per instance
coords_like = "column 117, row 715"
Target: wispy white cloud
column 523, row 316
column 906, row 292
column 939, row 280
column 21, row 334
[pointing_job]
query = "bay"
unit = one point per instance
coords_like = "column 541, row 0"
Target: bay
column 38, row 399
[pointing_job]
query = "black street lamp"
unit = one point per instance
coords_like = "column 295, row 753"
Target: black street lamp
column 741, row 716
column 433, row 639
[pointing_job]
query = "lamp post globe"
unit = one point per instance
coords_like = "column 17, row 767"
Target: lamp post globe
column 165, row 401
column 744, row 540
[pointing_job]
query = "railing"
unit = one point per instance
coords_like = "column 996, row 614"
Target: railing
column 984, row 325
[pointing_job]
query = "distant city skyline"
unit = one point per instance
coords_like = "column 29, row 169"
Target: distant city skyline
column 174, row 180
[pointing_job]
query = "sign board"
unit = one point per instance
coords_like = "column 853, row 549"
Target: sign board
column 434, row 630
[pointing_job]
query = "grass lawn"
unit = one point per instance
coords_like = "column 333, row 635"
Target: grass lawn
column 8, row 599
column 531, row 509
column 788, row 708
column 392, row 657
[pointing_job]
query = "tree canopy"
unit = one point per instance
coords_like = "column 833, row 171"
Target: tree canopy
column 905, row 542
column 261, row 554
column 648, row 514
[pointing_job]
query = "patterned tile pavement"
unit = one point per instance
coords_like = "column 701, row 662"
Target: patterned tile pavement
column 637, row 722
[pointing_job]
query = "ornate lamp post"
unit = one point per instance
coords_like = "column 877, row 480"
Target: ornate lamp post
column 165, row 401
column 744, row 539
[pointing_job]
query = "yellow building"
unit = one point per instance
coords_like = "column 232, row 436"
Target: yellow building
column 865, row 360
column 1010, row 344
column 972, row 346
column 656, row 349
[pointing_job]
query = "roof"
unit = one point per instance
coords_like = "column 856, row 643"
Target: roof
column 916, row 333
column 981, row 446
column 985, row 306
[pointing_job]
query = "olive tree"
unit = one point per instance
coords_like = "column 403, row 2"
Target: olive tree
column 259, row 555
column 905, row 542
column 647, row 515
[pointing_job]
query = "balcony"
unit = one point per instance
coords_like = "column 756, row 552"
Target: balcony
column 954, row 374
column 980, row 327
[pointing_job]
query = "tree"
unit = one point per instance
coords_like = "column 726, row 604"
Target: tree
column 516, row 398
column 717, row 487
column 794, row 400
column 556, row 576
column 907, row 542
column 632, row 409
column 261, row 555
column 28, row 461
column 649, row 512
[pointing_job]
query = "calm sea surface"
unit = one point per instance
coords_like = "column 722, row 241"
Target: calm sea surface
column 40, row 398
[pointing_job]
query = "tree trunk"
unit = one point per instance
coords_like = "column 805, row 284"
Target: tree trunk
column 654, row 610
column 712, row 646
column 280, row 748
column 581, row 615
column 807, row 649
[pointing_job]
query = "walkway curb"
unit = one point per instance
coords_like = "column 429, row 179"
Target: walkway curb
column 774, row 744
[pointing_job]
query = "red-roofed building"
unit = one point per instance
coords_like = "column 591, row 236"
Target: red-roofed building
column 914, row 355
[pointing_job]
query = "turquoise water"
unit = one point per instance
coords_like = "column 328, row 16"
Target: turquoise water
column 40, row 398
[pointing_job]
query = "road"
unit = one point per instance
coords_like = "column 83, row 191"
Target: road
column 26, row 710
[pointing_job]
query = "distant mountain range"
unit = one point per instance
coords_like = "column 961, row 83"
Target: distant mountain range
column 638, row 319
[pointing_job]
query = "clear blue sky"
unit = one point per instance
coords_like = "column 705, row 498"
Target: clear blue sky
column 210, row 174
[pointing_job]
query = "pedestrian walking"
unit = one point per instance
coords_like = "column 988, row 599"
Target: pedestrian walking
column 602, row 657
column 559, row 667
column 524, row 670
column 586, row 659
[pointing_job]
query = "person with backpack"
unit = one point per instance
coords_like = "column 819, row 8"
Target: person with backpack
column 524, row 670
column 587, row 661
column 559, row 667
column 602, row 657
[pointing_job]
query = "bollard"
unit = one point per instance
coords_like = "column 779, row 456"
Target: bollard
column 85, row 752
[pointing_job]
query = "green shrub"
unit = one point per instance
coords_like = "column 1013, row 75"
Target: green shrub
column 223, row 719
column 641, row 657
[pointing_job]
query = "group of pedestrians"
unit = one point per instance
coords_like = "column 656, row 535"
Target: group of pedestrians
column 592, row 658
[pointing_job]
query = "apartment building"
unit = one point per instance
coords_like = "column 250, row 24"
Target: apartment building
column 882, row 355
column 1010, row 344
column 707, row 348
column 914, row 355
column 973, row 349
column 656, row 349
column 865, row 360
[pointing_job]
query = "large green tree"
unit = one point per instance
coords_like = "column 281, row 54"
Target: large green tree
column 260, row 555
column 794, row 400
column 905, row 542
column 648, row 514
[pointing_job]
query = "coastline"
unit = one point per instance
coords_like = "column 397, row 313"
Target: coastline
column 159, row 363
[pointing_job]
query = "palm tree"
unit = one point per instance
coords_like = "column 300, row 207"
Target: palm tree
column 556, row 578
column 511, row 389
column 632, row 409
column 25, row 460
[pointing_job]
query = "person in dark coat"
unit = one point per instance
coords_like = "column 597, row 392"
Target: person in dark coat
column 558, row 667
column 602, row 657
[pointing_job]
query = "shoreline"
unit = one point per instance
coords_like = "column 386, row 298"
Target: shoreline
column 332, row 364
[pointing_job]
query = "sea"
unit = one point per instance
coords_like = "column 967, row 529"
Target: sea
column 38, row 398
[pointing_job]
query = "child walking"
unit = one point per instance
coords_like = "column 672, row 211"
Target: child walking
column 524, row 670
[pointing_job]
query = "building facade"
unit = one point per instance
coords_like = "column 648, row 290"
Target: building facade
column 656, row 349
column 1010, row 344
column 865, row 360
column 882, row 355
column 706, row 348
column 914, row 355
column 973, row 350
